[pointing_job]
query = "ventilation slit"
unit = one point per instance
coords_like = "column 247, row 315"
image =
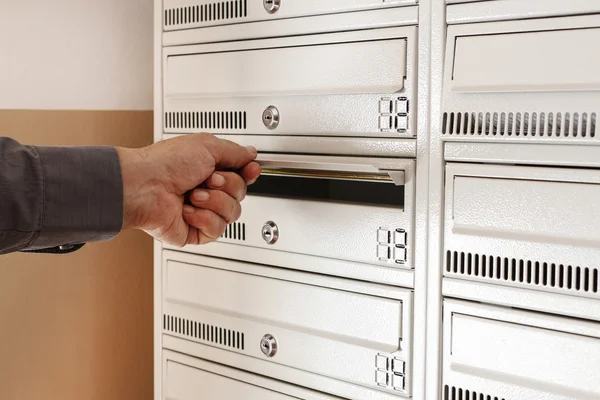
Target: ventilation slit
column 525, row 272
column 521, row 271
column 444, row 123
column 513, row 270
column 454, row 393
column 561, row 277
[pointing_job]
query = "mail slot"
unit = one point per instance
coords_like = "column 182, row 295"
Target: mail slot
column 340, row 84
column 498, row 84
column 343, row 208
column 189, row 14
column 524, row 226
column 510, row 354
column 280, row 316
column 189, row 378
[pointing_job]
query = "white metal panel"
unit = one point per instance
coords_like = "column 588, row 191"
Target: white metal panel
column 189, row 378
column 530, row 227
column 497, row 87
column 330, row 23
column 321, row 69
column 185, row 383
column 350, row 231
column 517, row 354
column 342, row 84
column 302, row 262
column 320, row 145
column 285, row 303
column 480, row 62
column 230, row 305
column 511, row 296
column 523, row 153
column 493, row 206
column 469, row 11
column 187, row 14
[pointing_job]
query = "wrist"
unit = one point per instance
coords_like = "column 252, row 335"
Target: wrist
column 137, row 183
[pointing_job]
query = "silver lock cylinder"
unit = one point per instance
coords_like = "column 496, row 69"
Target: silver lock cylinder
column 272, row 5
column 268, row 345
column 270, row 117
column 270, row 232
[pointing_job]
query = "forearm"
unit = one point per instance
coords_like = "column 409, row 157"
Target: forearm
column 54, row 196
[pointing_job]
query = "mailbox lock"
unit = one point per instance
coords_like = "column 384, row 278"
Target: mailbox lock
column 270, row 232
column 272, row 5
column 270, row 117
column 268, row 345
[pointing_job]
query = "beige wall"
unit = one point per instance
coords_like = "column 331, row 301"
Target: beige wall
column 79, row 326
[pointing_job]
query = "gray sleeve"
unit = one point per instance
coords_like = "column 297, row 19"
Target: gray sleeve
column 58, row 196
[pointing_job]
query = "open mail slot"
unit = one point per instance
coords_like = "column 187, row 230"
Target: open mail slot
column 530, row 227
column 499, row 84
column 281, row 316
column 188, row 14
column 351, row 83
column 344, row 208
column 514, row 355
column 188, row 378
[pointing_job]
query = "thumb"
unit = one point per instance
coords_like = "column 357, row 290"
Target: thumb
column 230, row 155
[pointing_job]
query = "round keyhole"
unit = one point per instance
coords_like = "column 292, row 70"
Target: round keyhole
column 272, row 5
column 268, row 345
column 270, row 117
column 270, row 232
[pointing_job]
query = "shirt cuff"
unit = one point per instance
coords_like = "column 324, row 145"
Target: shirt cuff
column 82, row 195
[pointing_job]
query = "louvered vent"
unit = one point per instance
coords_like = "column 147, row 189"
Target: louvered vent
column 205, row 120
column 517, row 124
column 525, row 272
column 204, row 332
column 454, row 393
column 235, row 231
column 219, row 11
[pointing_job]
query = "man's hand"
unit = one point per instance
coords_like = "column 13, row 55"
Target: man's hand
column 161, row 194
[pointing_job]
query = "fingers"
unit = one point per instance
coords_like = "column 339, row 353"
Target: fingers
column 205, row 225
column 251, row 172
column 229, row 182
column 218, row 202
column 230, row 155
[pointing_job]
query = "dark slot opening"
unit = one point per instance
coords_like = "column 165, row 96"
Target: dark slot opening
column 333, row 190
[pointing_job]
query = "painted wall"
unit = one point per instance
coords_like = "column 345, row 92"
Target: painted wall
column 78, row 326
